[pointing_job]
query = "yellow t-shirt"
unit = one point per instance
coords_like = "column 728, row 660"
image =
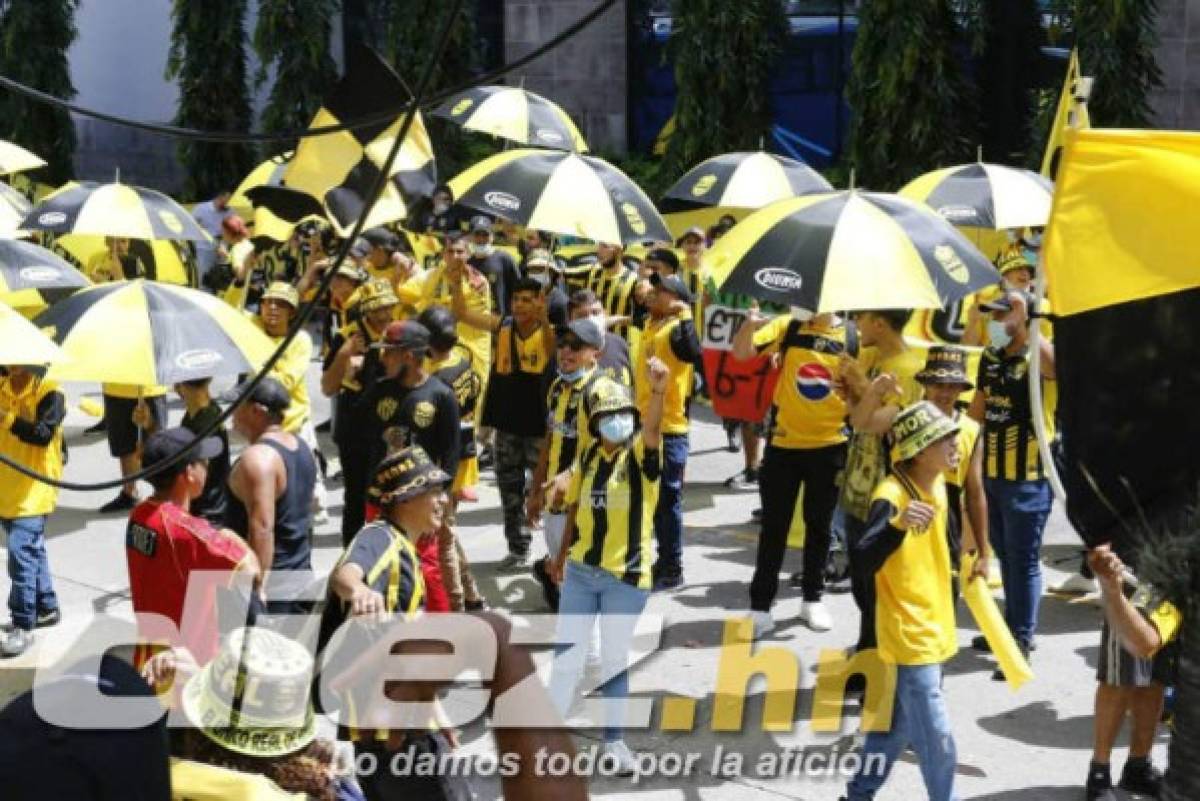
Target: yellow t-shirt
column 291, row 371
column 21, row 496
column 967, row 438
column 614, row 523
column 102, row 268
column 868, row 460
column 197, row 781
column 914, row 607
column 806, row 413
column 656, row 341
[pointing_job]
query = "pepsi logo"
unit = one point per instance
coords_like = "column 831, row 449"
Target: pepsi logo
column 814, row 382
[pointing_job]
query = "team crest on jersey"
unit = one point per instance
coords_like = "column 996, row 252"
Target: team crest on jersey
column 386, row 408
column 423, row 414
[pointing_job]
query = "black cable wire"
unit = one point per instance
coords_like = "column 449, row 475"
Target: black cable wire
column 239, row 137
column 305, row 312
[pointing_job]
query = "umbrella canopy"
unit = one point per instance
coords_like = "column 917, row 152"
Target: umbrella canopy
column 514, row 114
column 268, row 173
column 743, row 181
column 562, row 193
column 21, row 342
column 145, row 333
column 14, row 158
column 849, row 250
column 113, row 210
column 985, row 196
column 32, row 277
column 13, row 208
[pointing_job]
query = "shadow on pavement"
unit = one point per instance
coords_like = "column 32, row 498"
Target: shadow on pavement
column 1070, row 792
column 1038, row 724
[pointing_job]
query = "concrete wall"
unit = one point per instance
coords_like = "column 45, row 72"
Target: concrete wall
column 1177, row 104
column 587, row 76
column 117, row 64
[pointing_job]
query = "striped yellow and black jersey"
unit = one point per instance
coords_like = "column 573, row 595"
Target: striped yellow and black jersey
column 567, row 420
column 1010, row 444
column 614, row 522
column 614, row 288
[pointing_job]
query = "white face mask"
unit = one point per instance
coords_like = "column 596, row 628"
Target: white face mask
column 617, row 428
column 998, row 334
column 1034, row 240
column 802, row 315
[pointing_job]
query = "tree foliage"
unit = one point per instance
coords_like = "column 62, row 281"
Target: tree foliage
column 208, row 60
column 910, row 99
column 1007, row 77
column 725, row 52
column 1117, row 40
column 49, row 25
column 292, row 40
column 405, row 34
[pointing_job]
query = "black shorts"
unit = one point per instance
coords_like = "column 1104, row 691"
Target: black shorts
column 1119, row 668
column 123, row 435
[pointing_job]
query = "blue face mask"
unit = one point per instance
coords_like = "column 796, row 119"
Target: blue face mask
column 572, row 376
column 998, row 334
column 617, row 428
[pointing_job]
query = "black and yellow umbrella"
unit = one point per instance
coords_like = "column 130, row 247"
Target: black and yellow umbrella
column 114, row 209
column 989, row 196
column 742, row 181
column 13, row 208
column 32, row 277
column 145, row 333
column 514, row 114
column 847, row 251
column 21, row 342
column 14, row 158
column 562, row 193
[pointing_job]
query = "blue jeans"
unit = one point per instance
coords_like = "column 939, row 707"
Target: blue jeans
column 29, row 570
column 587, row 592
column 1017, row 514
column 919, row 719
column 668, row 515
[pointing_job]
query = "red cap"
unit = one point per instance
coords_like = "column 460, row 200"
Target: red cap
column 234, row 225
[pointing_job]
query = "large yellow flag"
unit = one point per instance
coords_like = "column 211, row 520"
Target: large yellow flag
column 1072, row 113
column 1123, row 226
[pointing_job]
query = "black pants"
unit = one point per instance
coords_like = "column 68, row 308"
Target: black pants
column 862, row 585
column 356, row 474
column 784, row 471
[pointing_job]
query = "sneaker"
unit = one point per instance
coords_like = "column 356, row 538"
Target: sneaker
column 745, row 481
column 1141, row 777
column 121, row 503
column 796, row 580
column 980, row 643
column 15, row 642
column 764, row 624
column 619, row 757
column 815, row 616
column 476, row 605
column 549, row 588
column 671, row 580
column 47, row 619
column 514, row 562
column 1099, row 784
column 321, row 517
column 1076, row 585
column 324, row 428
column 99, row 428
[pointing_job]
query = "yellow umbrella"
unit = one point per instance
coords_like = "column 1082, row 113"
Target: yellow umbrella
column 14, row 158
column 13, row 208
column 21, row 342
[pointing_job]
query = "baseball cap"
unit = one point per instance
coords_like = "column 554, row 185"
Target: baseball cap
column 269, row 394
column 380, row 237
column 586, row 329
column 664, row 256
column 235, row 225
column 348, row 270
column 164, row 445
column 283, row 291
column 360, row 249
column 695, row 231
column 481, row 223
column 1004, row 301
column 673, row 284
column 404, row 334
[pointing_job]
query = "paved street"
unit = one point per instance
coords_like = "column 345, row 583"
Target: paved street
column 1032, row 744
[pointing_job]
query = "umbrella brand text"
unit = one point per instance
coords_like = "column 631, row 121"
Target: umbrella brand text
column 502, row 200
column 547, row 135
column 38, row 273
column 52, row 218
column 195, row 359
column 778, row 279
column 958, row 214
column 954, row 266
column 704, row 185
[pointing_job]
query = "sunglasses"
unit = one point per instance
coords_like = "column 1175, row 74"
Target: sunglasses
column 571, row 344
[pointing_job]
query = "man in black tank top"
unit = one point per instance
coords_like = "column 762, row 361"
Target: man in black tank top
column 271, row 487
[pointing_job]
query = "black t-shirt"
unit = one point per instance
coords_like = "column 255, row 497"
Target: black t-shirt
column 212, row 503
column 501, row 273
column 348, row 431
column 426, row 415
column 516, row 400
